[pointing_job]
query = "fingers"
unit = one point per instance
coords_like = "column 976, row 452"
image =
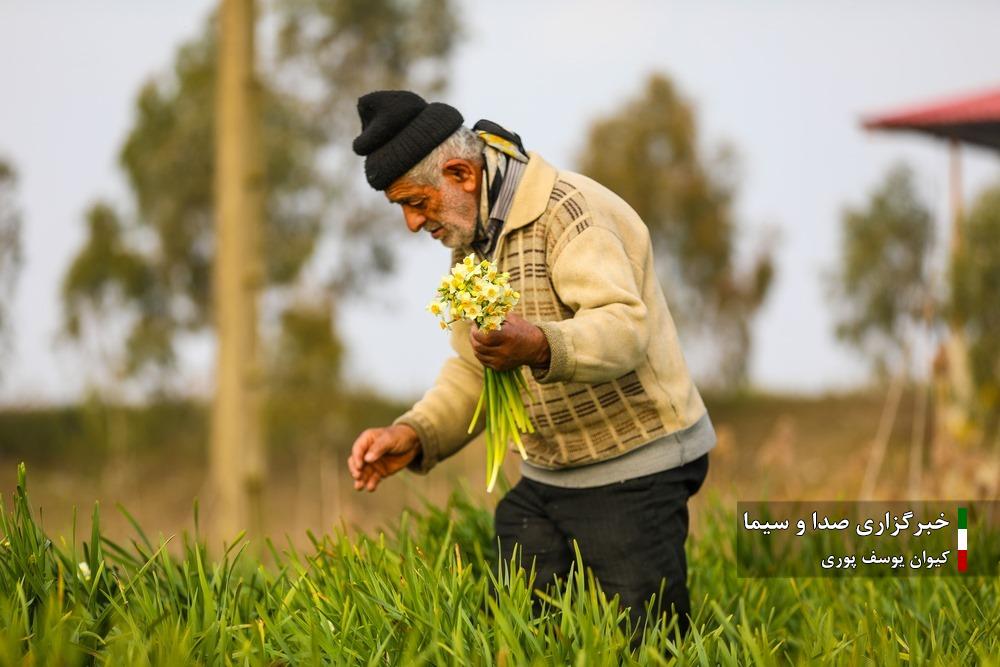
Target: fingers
column 367, row 476
column 487, row 339
column 356, row 461
column 358, row 450
column 489, row 353
column 493, row 354
column 366, row 462
column 372, row 474
column 368, row 480
column 368, row 447
column 494, row 357
column 485, row 356
column 381, row 443
column 497, row 363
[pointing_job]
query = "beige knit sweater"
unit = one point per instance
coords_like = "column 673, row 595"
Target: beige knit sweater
column 582, row 260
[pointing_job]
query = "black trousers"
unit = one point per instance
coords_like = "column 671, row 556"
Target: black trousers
column 630, row 534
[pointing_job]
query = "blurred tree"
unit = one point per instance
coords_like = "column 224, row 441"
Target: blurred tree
column 648, row 153
column 883, row 291
column 160, row 280
column 303, row 377
column 881, row 284
column 307, row 358
column 975, row 289
column 303, row 368
column 333, row 49
column 330, row 52
column 107, row 275
column 10, row 247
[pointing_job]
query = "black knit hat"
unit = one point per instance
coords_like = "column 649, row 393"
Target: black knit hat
column 398, row 130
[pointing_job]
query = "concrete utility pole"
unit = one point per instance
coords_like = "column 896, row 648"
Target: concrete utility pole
column 957, row 347
column 237, row 449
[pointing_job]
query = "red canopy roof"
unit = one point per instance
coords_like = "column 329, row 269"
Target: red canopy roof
column 974, row 119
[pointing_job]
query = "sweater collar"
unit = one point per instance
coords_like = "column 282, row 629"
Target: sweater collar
column 532, row 195
column 530, row 199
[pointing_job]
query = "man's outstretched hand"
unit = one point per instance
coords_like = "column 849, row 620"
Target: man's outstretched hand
column 517, row 343
column 380, row 452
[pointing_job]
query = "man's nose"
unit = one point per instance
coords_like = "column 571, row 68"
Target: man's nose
column 414, row 220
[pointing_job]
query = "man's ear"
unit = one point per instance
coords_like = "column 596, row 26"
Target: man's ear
column 462, row 172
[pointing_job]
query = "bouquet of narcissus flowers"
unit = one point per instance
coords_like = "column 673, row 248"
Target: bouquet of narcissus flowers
column 476, row 291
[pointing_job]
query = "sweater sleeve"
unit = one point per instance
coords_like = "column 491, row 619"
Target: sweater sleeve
column 608, row 333
column 441, row 417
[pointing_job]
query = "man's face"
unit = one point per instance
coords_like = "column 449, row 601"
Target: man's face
column 447, row 212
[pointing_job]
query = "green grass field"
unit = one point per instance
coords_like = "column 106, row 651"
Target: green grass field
column 428, row 591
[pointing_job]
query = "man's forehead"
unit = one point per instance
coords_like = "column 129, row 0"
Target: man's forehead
column 401, row 189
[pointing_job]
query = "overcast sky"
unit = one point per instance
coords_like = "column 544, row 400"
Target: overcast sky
column 785, row 82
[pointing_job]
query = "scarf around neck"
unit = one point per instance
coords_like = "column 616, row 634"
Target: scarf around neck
column 504, row 160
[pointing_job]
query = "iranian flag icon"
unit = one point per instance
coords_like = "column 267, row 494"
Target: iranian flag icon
column 963, row 539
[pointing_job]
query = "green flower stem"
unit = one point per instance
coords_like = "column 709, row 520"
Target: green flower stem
column 506, row 417
column 491, row 435
column 479, row 407
column 505, row 395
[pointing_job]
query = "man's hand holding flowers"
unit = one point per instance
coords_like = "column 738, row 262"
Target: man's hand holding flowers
column 518, row 343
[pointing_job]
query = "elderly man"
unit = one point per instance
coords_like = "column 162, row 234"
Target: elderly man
column 622, row 435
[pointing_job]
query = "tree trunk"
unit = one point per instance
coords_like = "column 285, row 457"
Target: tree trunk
column 237, row 455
